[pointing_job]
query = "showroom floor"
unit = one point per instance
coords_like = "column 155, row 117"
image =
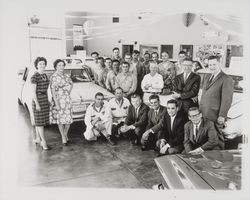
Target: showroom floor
column 82, row 163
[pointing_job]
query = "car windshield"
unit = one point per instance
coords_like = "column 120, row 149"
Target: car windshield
column 77, row 75
column 72, row 61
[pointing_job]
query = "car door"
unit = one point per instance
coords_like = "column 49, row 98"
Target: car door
column 22, row 84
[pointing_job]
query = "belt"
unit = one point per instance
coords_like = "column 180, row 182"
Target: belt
column 43, row 93
column 153, row 92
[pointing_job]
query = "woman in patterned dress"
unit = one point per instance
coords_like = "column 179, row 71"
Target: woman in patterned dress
column 61, row 108
column 40, row 103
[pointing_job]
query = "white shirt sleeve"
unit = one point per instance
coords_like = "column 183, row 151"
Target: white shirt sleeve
column 144, row 82
column 87, row 118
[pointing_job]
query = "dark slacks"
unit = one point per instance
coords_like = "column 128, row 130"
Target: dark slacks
column 172, row 150
column 135, row 134
column 150, row 143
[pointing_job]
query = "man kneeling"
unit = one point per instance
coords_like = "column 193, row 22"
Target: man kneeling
column 136, row 120
column 201, row 134
column 98, row 120
column 155, row 126
column 172, row 139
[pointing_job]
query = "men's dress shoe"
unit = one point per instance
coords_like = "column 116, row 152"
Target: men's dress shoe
column 144, row 148
column 111, row 141
column 134, row 142
column 65, row 143
column 69, row 141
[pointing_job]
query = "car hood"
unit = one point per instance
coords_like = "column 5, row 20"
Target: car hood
column 220, row 169
column 87, row 91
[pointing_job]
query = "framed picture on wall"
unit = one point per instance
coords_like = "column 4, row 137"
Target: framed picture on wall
column 202, row 52
column 148, row 48
column 188, row 49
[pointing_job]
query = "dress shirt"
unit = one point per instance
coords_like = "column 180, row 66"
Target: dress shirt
column 172, row 121
column 133, row 69
column 214, row 75
column 111, row 80
column 156, row 82
column 127, row 82
column 194, row 129
column 137, row 111
column 185, row 76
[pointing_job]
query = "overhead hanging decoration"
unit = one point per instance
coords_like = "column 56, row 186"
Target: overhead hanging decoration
column 188, row 18
column 88, row 27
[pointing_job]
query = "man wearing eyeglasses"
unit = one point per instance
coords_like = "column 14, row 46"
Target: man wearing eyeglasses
column 200, row 134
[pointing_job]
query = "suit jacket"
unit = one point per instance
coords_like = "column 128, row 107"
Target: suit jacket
column 217, row 97
column 175, row 136
column 187, row 90
column 141, row 120
column 207, row 138
column 156, row 123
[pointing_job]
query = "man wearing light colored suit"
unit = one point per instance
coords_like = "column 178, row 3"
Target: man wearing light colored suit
column 217, row 93
column 200, row 134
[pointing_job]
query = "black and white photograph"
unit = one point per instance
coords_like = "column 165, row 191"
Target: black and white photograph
column 120, row 99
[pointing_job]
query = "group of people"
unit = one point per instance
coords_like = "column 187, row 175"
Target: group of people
column 59, row 110
column 186, row 124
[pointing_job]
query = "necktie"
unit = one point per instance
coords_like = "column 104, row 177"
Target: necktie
column 210, row 79
column 136, row 112
column 196, row 131
column 185, row 77
column 156, row 113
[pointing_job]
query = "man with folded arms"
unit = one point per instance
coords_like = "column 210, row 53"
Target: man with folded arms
column 152, row 83
column 172, row 139
column 200, row 134
column 186, row 87
column 155, row 127
column 136, row 120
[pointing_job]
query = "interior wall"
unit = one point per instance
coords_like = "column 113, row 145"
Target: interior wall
column 168, row 29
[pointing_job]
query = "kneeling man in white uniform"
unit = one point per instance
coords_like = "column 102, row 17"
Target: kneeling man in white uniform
column 98, row 120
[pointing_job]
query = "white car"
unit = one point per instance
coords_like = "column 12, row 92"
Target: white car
column 82, row 95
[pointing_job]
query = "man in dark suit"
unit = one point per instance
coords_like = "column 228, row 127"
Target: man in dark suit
column 186, row 87
column 217, row 93
column 136, row 120
column 155, row 126
column 200, row 134
column 172, row 139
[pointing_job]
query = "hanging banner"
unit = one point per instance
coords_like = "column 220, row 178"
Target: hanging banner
column 77, row 35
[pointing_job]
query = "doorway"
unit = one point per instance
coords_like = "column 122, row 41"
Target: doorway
column 127, row 48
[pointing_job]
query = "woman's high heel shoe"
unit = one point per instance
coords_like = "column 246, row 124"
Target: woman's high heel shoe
column 44, row 146
column 37, row 142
